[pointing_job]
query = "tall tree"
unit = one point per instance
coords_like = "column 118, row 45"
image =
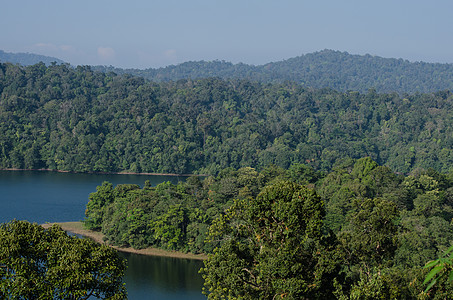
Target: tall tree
column 271, row 246
column 38, row 263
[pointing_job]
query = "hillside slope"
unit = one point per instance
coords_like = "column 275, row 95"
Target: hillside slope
column 27, row 59
column 325, row 69
column 69, row 119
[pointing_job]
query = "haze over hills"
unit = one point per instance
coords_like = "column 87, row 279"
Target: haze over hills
column 324, row 69
column 27, row 59
column 337, row 70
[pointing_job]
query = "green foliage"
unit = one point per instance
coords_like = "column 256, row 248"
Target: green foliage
column 358, row 232
column 97, row 201
column 382, row 225
column 422, row 239
column 175, row 217
column 389, row 283
column 170, row 227
column 441, row 269
column 75, row 119
column 303, row 174
column 371, row 234
column 36, row 263
column 270, row 246
column 387, row 239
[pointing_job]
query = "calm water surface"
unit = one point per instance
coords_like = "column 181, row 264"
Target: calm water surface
column 60, row 197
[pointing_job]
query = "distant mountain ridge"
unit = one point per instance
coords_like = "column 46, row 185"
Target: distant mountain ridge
column 27, row 59
column 337, row 70
column 324, row 69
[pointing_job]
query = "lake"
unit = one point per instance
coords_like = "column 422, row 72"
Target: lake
column 43, row 197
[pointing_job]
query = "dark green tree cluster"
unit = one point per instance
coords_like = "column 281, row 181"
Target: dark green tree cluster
column 272, row 247
column 38, row 263
column 367, row 235
column 324, row 69
column 174, row 217
column 360, row 231
column 69, row 119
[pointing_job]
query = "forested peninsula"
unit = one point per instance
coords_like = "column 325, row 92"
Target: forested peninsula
column 75, row 119
column 360, row 231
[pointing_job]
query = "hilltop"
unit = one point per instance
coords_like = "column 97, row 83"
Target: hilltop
column 27, row 59
column 324, row 69
column 336, row 70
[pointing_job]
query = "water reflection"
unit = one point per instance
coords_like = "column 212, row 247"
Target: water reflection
column 154, row 277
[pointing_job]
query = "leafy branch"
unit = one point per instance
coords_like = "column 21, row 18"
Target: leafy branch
column 440, row 268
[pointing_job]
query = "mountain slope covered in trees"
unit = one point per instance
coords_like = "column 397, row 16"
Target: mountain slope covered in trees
column 69, row 119
column 324, row 69
column 27, row 59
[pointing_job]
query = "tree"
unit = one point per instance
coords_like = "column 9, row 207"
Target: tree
column 271, row 246
column 441, row 273
column 371, row 235
column 370, row 242
column 169, row 228
column 38, row 263
column 95, row 208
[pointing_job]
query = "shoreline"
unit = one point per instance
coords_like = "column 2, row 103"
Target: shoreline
column 106, row 173
column 98, row 237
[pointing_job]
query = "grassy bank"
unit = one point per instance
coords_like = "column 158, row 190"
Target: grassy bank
column 77, row 228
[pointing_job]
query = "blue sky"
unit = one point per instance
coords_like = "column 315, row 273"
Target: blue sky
column 155, row 33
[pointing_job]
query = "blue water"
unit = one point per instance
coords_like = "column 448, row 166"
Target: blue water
column 43, row 197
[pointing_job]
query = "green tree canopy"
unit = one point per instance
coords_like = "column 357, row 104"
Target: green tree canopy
column 271, row 245
column 38, row 263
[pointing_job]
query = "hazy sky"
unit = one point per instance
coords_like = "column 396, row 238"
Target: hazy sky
column 156, row 33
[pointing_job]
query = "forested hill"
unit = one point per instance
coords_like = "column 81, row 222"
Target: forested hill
column 325, row 69
column 62, row 118
column 27, row 59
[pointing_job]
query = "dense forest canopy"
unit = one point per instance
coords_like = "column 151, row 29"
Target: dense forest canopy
column 324, row 69
column 356, row 232
column 313, row 193
column 38, row 263
column 61, row 118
